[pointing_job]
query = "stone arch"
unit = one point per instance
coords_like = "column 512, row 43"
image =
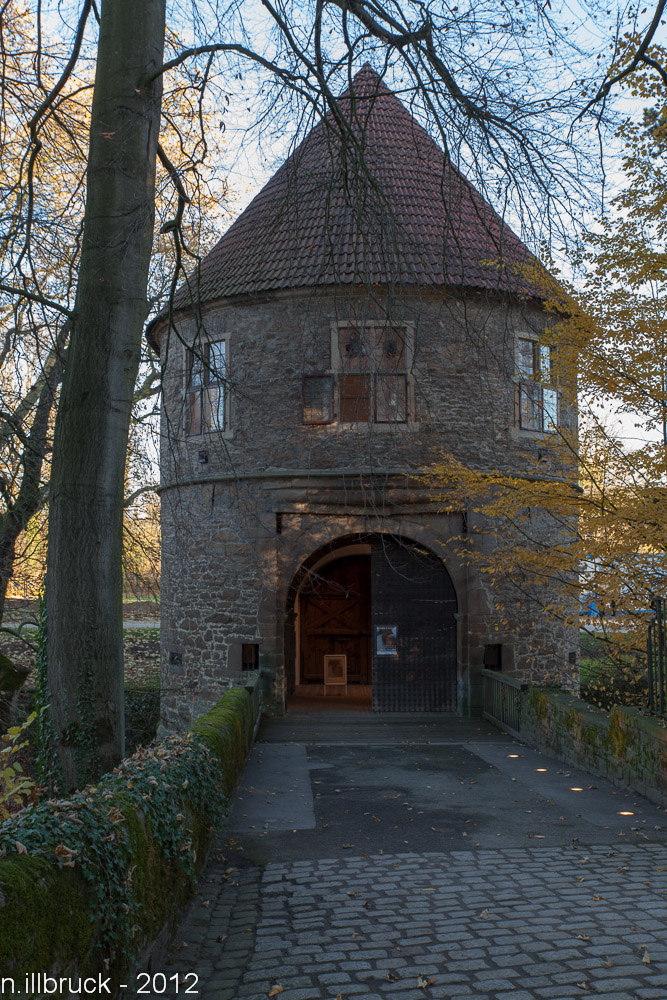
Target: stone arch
column 390, row 605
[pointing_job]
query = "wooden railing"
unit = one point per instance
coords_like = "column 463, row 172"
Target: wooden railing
column 502, row 700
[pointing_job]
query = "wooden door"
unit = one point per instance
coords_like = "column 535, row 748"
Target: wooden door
column 334, row 614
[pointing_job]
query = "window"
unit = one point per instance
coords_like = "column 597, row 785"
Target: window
column 537, row 400
column 369, row 383
column 250, row 656
column 493, row 656
column 205, row 392
column 317, row 399
column 372, row 384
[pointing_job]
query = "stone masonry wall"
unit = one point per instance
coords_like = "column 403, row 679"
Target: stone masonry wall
column 623, row 746
column 237, row 526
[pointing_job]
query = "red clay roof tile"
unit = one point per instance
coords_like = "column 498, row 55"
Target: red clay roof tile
column 380, row 203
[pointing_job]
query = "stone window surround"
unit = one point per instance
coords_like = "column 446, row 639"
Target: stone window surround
column 335, row 369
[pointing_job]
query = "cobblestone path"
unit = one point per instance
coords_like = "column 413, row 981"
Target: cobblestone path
column 426, row 864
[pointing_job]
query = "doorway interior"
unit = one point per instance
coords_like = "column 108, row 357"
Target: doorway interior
column 388, row 606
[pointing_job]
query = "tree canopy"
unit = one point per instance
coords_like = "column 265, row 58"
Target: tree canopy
column 610, row 328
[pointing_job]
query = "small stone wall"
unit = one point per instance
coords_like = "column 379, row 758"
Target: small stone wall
column 623, row 746
column 88, row 885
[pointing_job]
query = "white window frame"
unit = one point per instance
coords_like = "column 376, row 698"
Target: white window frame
column 536, row 390
column 206, row 391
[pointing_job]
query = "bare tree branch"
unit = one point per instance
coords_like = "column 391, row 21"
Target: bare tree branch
column 148, row 488
column 638, row 58
column 42, row 300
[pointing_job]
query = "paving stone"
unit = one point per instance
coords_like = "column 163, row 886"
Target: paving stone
column 303, row 924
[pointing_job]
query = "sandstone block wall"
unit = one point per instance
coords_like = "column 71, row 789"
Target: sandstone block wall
column 243, row 507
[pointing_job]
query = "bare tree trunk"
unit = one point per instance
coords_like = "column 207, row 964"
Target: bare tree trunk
column 35, row 445
column 84, row 578
column 7, row 549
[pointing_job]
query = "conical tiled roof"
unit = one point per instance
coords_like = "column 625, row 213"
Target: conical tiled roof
column 379, row 203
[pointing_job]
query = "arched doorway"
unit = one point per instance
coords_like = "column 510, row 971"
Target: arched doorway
column 388, row 605
column 334, row 618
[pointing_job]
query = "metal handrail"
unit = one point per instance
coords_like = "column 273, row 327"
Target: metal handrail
column 656, row 641
column 502, row 700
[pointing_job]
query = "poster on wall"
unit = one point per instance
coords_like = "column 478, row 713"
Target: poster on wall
column 386, row 640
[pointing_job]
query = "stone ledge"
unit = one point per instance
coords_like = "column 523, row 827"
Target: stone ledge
column 51, row 920
column 624, row 746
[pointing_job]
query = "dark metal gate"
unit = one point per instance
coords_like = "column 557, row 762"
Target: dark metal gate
column 413, row 604
column 656, row 648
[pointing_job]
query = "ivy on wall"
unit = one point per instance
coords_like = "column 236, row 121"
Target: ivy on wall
column 128, row 847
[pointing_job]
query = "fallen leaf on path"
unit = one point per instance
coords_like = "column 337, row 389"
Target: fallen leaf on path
column 646, row 958
column 608, row 964
column 275, row 990
column 484, row 914
column 583, row 937
column 423, row 982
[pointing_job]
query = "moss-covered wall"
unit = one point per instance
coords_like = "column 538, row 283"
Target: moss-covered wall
column 87, row 883
column 622, row 745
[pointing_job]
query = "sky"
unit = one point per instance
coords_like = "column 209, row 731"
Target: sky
column 251, row 156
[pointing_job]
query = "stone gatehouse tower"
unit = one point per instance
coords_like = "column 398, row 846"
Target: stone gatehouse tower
column 367, row 311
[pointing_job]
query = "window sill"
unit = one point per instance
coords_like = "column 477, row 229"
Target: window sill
column 522, row 434
column 404, row 427
column 208, row 437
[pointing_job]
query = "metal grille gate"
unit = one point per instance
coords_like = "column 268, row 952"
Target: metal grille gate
column 413, row 629
column 656, row 648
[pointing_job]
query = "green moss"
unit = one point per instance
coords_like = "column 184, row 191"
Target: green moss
column 589, row 735
column 570, row 721
column 45, row 914
column 621, row 738
column 155, row 878
column 538, row 704
column 227, row 731
column 136, row 839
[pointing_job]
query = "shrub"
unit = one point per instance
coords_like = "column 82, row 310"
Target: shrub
column 122, row 854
